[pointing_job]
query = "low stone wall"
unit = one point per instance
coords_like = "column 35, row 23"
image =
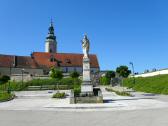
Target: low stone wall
column 92, row 99
column 27, row 77
column 85, row 99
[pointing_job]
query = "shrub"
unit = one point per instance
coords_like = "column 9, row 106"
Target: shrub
column 4, row 79
column 59, row 95
column 110, row 74
column 77, row 90
column 13, row 86
column 66, row 81
column 51, row 84
column 6, row 96
column 104, row 81
column 122, row 93
column 56, row 73
column 63, row 81
column 74, row 74
column 77, row 86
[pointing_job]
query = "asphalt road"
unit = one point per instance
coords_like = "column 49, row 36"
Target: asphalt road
column 150, row 117
column 29, row 109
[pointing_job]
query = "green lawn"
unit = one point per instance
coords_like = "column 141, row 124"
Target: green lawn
column 4, row 96
column 156, row 84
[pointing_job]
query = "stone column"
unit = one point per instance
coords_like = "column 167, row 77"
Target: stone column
column 87, row 87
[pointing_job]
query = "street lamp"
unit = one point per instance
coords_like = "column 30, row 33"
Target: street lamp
column 22, row 74
column 11, row 65
column 133, row 73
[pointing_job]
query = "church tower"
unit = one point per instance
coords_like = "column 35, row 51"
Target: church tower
column 51, row 43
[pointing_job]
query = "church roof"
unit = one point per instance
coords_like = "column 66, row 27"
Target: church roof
column 26, row 62
column 47, row 60
column 64, row 59
column 17, row 61
column 6, row 60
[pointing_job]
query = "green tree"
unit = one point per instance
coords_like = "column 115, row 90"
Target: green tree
column 123, row 71
column 74, row 74
column 110, row 74
column 4, row 79
column 56, row 73
column 76, row 85
column 104, row 81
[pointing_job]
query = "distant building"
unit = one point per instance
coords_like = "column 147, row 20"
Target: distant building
column 39, row 63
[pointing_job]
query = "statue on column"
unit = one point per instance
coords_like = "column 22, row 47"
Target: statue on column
column 85, row 46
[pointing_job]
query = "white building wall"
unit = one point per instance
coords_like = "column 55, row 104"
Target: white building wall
column 78, row 69
column 160, row 72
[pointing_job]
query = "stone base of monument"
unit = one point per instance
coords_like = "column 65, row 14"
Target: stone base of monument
column 87, row 97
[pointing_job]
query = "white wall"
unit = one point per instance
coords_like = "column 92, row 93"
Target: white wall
column 78, row 69
column 160, row 72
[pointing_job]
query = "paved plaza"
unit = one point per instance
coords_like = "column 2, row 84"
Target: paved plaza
column 41, row 100
column 37, row 108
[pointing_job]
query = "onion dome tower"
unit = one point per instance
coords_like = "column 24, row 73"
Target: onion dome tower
column 51, row 42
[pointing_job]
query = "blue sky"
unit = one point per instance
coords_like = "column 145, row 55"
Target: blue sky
column 120, row 31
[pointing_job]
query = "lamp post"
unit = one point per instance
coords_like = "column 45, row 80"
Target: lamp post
column 10, row 72
column 22, row 75
column 131, row 63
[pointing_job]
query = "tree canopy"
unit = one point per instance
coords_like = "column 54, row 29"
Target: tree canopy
column 56, row 73
column 110, row 74
column 4, row 79
column 123, row 71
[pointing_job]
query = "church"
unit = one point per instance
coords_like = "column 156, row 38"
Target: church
column 40, row 63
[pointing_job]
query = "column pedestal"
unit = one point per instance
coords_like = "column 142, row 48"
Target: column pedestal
column 86, row 87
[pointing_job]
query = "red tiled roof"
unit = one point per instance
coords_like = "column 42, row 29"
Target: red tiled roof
column 65, row 59
column 6, row 60
column 42, row 60
column 20, row 61
column 26, row 62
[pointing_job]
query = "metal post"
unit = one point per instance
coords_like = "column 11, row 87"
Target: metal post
column 131, row 63
column 22, row 76
column 9, row 91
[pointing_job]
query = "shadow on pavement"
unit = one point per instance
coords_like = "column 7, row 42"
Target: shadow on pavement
column 111, row 100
